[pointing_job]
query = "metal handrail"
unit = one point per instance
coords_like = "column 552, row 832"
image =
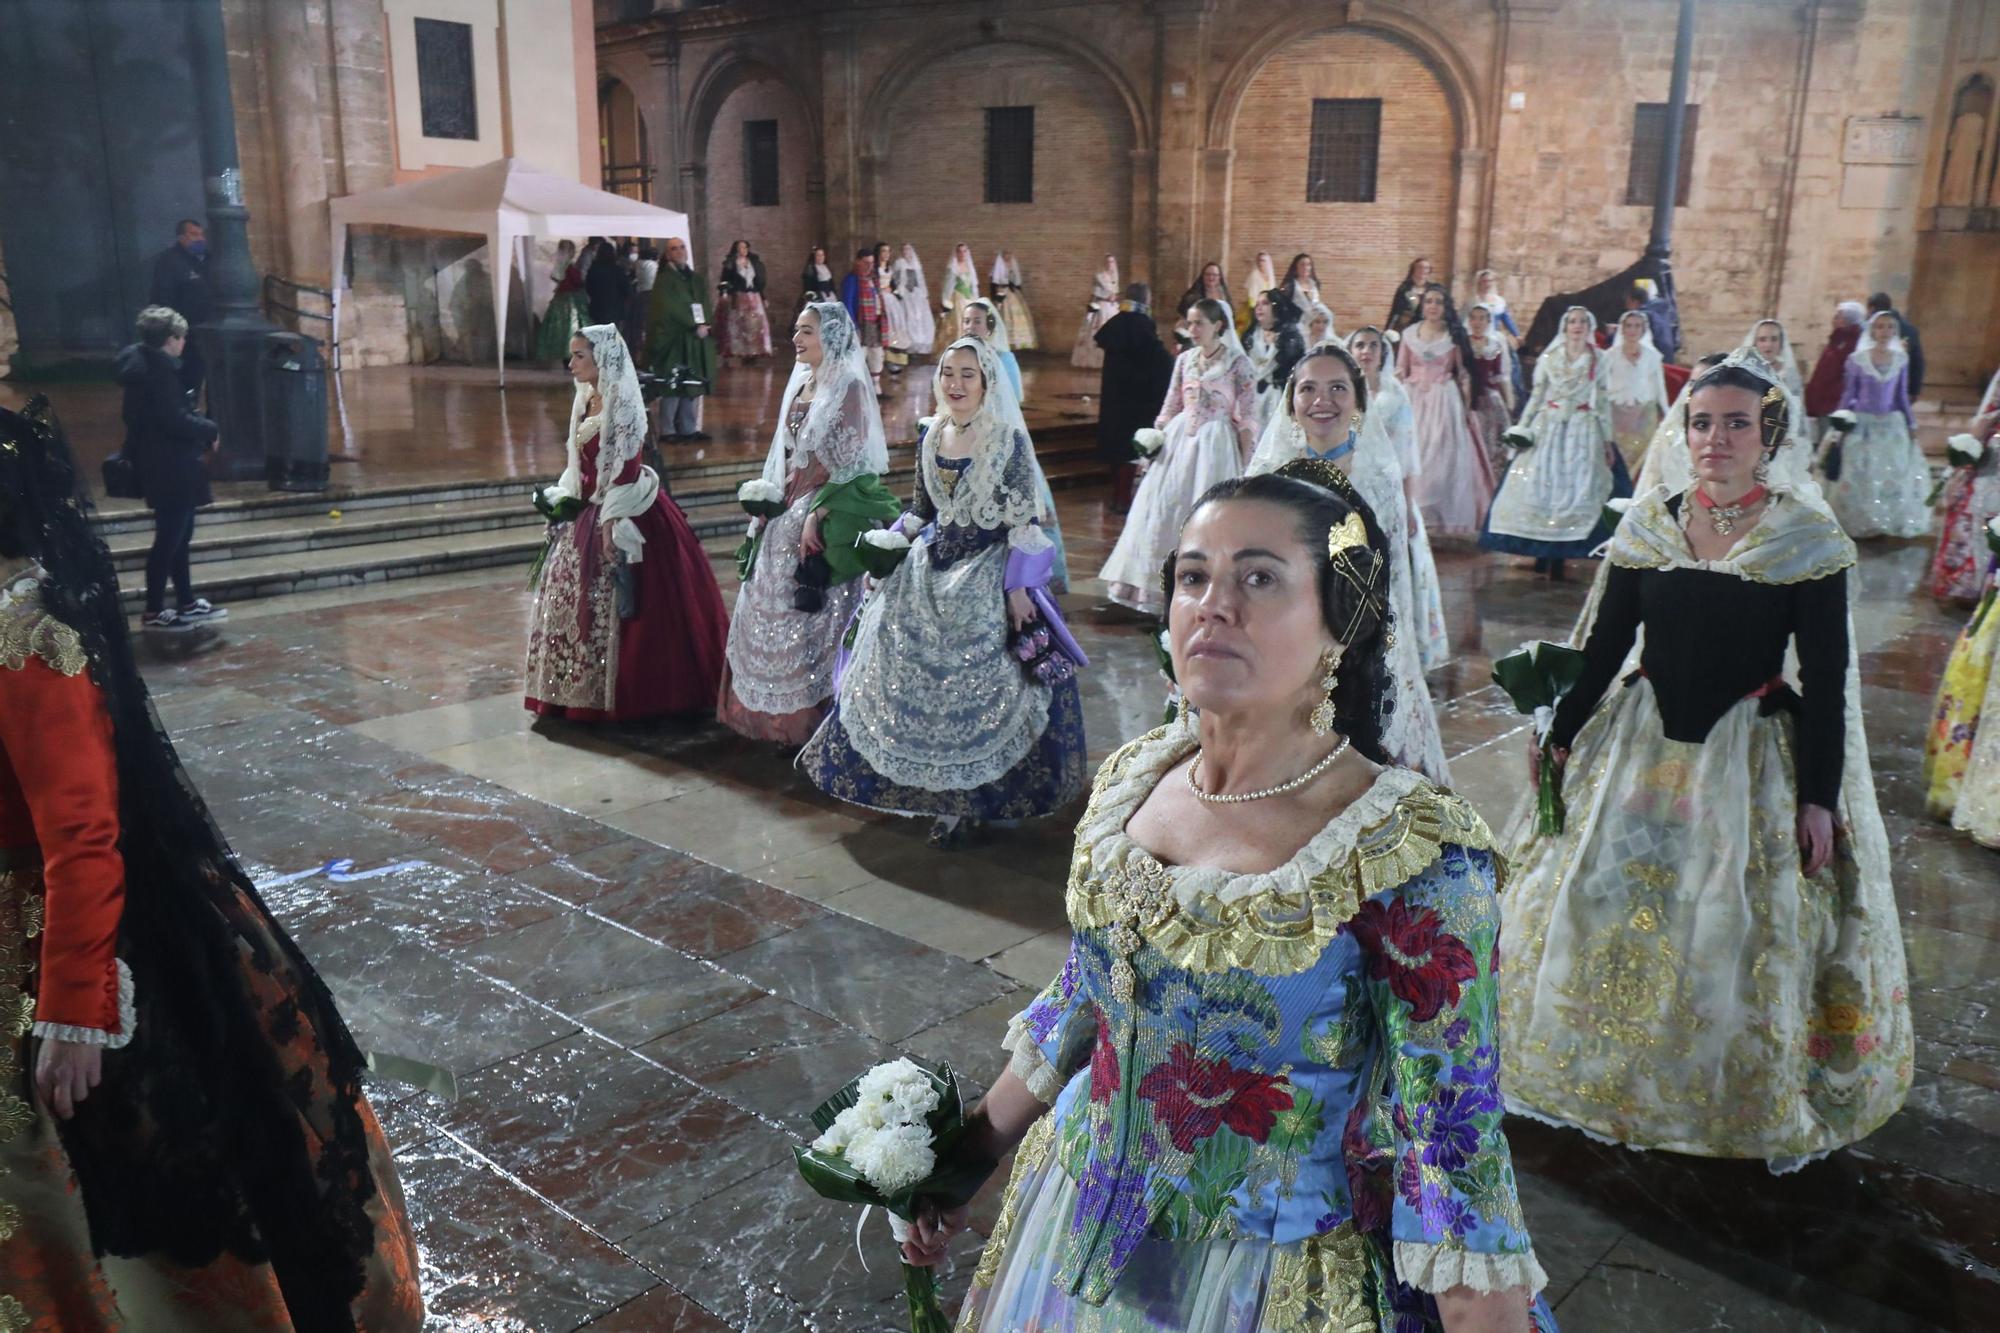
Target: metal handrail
column 329, row 345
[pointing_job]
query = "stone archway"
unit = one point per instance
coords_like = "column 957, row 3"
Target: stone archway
column 925, row 124
column 1431, row 170
column 738, row 86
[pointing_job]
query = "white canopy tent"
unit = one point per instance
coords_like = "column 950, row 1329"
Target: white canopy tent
column 507, row 202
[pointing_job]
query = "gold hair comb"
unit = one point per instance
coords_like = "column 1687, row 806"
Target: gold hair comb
column 1345, row 535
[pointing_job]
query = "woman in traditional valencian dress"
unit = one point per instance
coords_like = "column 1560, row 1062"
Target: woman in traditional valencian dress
column 628, row 621
column 1208, row 285
column 1010, row 290
column 1723, row 856
column 779, row 673
column 1435, row 364
column 1210, row 423
column 913, row 300
column 1262, row 277
column 1406, row 307
column 1323, row 413
column 1087, row 355
column 1263, row 1095
column 569, row 308
column 1275, row 346
column 1884, row 481
column 961, row 285
column 1551, row 501
column 1971, row 501
column 1773, row 346
column 816, row 280
column 935, row 713
column 746, row 323
column 980, row 319
column 1493, row 405
column 1389, row 413
column 1962, row 754
column 184, row 1142
column 1316, row 325
column 1302, row 282
column 1486, row 291
column 1635, row 387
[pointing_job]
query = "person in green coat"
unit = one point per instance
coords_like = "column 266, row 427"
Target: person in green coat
column 679, row 344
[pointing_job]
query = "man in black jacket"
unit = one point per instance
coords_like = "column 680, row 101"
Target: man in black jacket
column 1912, row 344
column 167, row 442
column 1137, row 370
column 180, row 282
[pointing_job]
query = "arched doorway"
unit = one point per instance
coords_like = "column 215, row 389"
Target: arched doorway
column 1347, row 79
column 929, row 167
column 759, row 175
column 625, row 156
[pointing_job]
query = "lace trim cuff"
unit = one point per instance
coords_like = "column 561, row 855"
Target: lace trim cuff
column 1030, row 1065
column 1438, row 1268
column 128, row 1021
column 1029, row 539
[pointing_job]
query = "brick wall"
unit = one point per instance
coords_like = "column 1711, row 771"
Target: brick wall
column 933, row 185
column 782, row 235
column 1360, row 250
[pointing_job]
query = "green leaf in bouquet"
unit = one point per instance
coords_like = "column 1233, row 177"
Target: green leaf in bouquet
column 1563, row 666
column 1525, row 685
column 834, row 1177
column 829, row 1110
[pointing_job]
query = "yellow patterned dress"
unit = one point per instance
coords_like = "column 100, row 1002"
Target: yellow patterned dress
column 1962, row 758
column 1674, row 980
column 1273, row 1097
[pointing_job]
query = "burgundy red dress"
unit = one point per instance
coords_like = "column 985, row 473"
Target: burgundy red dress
column 586, row 663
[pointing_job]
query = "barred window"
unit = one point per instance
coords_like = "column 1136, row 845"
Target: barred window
column 1649, row 140
column 446, row 94
column 760, row 163
column 1010, row 155
column 1346, row 144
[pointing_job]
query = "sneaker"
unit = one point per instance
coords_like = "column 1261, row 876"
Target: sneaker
column 168, row 621
column 201, row 612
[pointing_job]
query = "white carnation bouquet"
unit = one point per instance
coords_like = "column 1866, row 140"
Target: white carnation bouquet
column 1842, row 421
column 1964, row 450
column 760, row 498
column 1518, row 438
column 1146, row 441
column 888, row 1139
column 881, row 550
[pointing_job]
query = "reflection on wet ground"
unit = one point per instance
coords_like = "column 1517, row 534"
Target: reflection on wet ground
column 637, row 956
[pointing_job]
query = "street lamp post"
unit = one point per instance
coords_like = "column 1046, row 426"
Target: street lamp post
column 1660, row 245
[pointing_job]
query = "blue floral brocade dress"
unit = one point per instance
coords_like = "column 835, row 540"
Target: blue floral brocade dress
column 1274, row 1097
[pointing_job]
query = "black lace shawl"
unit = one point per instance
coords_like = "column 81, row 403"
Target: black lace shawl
column 232, row 1122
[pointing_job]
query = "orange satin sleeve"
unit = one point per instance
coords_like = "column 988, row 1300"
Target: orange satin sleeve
column 59, row 792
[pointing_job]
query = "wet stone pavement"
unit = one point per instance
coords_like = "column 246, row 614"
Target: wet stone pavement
column 610, row 971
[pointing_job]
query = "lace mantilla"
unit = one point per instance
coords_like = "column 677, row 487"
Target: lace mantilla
column 1275, row 922
column 997, row 492
column 29, row 630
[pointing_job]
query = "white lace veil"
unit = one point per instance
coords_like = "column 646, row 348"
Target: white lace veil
column 997, row 491
column 1786, row 370
column 622, row 434
column 1899, row 355
column 843, row 425
column 1626, row 381
column 1006, row 269
column 1229, row 337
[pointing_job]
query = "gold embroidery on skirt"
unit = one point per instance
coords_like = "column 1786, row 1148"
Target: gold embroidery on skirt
column 21, row 916
column 1320, row 1285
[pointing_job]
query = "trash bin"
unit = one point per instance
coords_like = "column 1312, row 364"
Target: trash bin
column 292, row 390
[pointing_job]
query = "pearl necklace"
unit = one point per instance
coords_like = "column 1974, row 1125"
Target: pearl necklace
column 1194, row 783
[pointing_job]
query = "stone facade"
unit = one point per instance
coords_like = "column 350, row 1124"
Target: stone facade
column 317, row 117
column 1506, row 138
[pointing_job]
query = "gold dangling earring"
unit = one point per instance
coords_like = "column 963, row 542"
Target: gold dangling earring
column 1329, row 681
column 1360, row 419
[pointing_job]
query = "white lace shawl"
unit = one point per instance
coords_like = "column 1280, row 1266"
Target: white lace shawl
column 1899, row 358
column 1628, row 382
column 1001, row 489
column 843, row 425
column 908, row 274
column 1006, row 271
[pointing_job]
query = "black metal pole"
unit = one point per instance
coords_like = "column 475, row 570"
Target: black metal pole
column 232, row 343
column 1660, row 245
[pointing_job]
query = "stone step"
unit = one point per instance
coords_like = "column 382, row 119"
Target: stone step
column 274, row 556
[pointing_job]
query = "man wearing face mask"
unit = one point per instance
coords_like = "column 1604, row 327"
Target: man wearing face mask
column 180, row 282
column 678, row 344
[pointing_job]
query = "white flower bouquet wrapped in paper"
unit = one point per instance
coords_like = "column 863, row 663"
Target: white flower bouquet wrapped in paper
column 882, row 550
column 889, row 1138
column 1146, row 441
column 760, row 498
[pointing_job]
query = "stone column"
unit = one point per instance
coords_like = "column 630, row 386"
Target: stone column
column 1181, row 95
column 1144, row 223
column 298, row 50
